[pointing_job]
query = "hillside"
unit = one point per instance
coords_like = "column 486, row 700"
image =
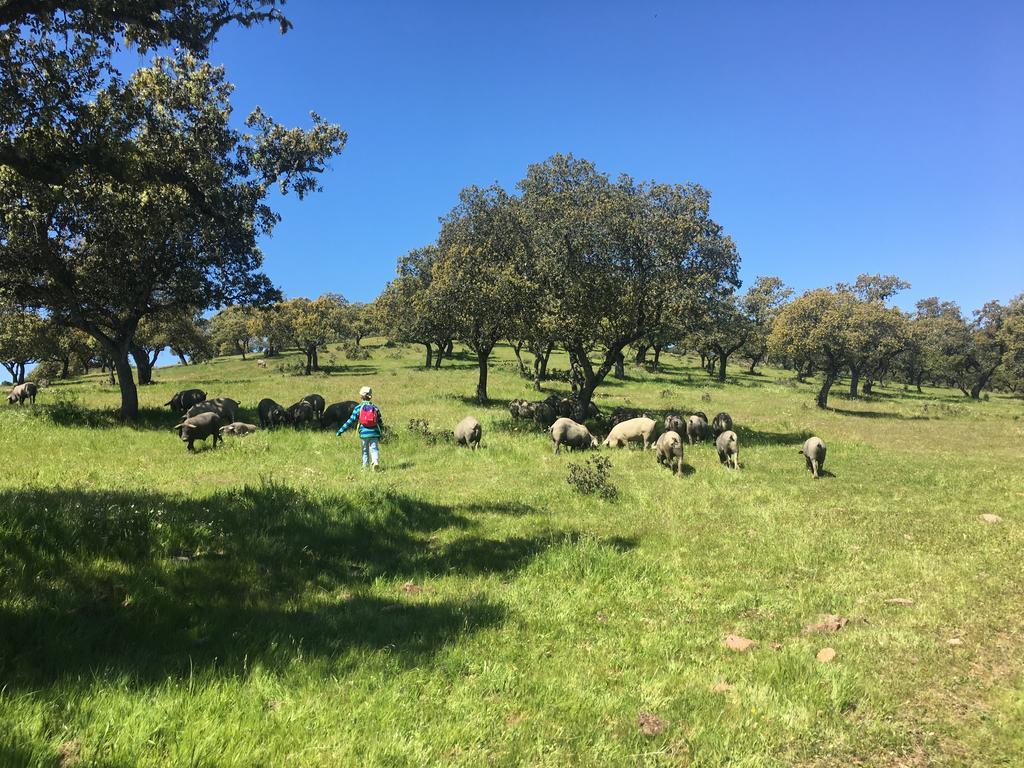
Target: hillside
column 267, row 603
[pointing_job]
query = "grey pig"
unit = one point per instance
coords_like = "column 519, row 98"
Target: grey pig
column 569, row 433
column 23, row 392
column 722, row 423
column 674, row 423
column 814, row 455
column 468, row 432
column 200, row 427
column 696, row 429
column 641, row 428
column 728, row 449
column 238, row 428
column 669, row 451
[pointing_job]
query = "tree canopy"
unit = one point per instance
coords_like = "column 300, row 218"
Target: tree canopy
column 100, row 251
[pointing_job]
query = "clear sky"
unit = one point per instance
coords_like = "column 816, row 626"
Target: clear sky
column 836, row 137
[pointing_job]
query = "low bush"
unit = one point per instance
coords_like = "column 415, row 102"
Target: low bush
column 591, row 478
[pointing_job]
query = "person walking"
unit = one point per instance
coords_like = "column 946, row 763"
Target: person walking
column 370, row 426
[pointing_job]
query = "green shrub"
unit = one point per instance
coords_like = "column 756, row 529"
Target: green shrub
column 592, row 478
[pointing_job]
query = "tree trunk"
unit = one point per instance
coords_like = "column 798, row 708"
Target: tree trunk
column 712, row 364
column 142, row 367
column 917, row 383
column 854, row 380
column 620, row 366
column 316, row 359
column 544, row 361
column 449, row 348
column 129, row 394
column 439, row 356
column 430, row 355
column 517, row 348
column 657, row 356
column 983, row 380
column 65, row 367
column 482, row 356
column 722, row 360
column 641, row 354
column 309, row 360
column 826, row 385
column 868, row 386
column 153, row 357
column 703, row 360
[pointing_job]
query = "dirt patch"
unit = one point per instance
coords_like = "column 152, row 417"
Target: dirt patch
column 830, row 623
column 825, row 655
column 69, row 753
column 989, row 518
column 739, row 644
column 900, row 601
column 411, row 589
column 650, row 724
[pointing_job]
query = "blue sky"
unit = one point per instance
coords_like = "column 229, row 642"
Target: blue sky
column 836, row 138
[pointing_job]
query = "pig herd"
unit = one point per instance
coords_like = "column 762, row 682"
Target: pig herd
column 628, row 428
column 202, row 418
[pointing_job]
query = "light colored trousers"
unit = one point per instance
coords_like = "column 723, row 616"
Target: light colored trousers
column 370, row 451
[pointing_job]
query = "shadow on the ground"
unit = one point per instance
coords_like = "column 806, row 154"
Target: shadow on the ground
column 878, row 414
column 156, row 585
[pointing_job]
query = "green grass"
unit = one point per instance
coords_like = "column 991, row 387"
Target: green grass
column 249, row 605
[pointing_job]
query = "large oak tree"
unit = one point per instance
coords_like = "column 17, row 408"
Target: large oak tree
column 101, row 254
column 609, row 252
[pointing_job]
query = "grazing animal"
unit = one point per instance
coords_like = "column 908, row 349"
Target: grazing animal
column 674, row 423
column 620, row 414
column 728, row 449
column 23, row 392
column 669, row 451
column 544, row 414
column 814, row 454
column 640, row 429
column 696, row 429
column 317, row 403
column 722, row 423
column 239, row 428
column 515, row 408
column 301, row 413
column 337, row 413
column 185, row 399
column 224, row 407
column 271, row 413
column 261, row 363
column 701, row 414
column 571, row 434
column 468, row 432
column 200, row 427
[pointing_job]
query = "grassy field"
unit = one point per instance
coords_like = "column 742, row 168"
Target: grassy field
column 269, row 604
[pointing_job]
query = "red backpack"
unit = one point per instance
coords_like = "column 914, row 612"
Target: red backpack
column 368, row 416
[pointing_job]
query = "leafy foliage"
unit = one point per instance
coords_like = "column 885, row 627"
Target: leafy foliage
column 591, row 477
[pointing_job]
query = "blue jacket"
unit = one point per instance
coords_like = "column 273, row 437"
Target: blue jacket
column 365, row 433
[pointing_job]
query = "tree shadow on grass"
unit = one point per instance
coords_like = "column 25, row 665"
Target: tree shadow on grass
column 749, row 436
column 878, row 414
column 153, row 585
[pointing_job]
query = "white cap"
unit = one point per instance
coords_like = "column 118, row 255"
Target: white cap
column 366, row 392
